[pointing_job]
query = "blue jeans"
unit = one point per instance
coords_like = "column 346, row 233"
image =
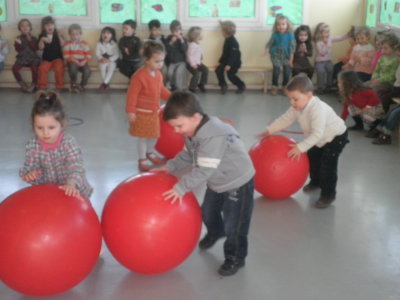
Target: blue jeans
column 276, row 70
column 229, row 213
column 391, row 120
column 1, row 66
column 324, row 73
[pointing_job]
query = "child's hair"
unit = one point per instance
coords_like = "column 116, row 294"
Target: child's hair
column 175, row 25
column 131, row 23
column 282, row 17
column 194, row 33
column 45, row 21
column 73, row 27
column 380, row 35
column 110, row 30
column 364, row 30
column 228, row 27
column 150, row 47
column 154, row 24
column 351, row 83
column 300, row 83
column 20, row 23
column 48, row 102
column 181, row 103
column 306, row 29
column 318, row 31
column 390, row 39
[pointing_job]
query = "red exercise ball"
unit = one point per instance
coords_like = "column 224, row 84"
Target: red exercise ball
column 145, row 233
column 49, row 242
column 277, row 176
column 170, row 143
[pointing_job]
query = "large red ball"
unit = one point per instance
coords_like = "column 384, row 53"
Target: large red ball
column 145, row 233
column 277, row 176
column 49, row 242
column 170, row 143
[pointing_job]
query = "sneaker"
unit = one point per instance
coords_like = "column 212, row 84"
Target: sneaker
column 356, row 127
column 274, row 91
column 73, row 89
column 241, row 90
column 208, row 241
column 193, row 91
column 202, row 88
column 224, row 88
column 323, row 202
column 230, row 266
column 144, row 165
column 154, row 158
column 373, row 133
column 310, row 187
column 383, row 139
column 80, row 88
column 102, row 87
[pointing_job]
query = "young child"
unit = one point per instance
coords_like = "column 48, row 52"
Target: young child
column 323, row 57
column 107, row 54
column 194, row 59
column 362, row 54
column 385, row 128
column 143, row 103
column 218, row 158
column 304, row 50
column 281, row 47
column 378, row 49
column 385, row 73
column 155, row 35
column 26, row 46
column 338, row 67
column 230, row 60
column 176, row 46
column 360, row 101
column 325, row 136
column 3, row 51
column 130, row 47
column 77, row 54
column 53, row 156
column 51, row 43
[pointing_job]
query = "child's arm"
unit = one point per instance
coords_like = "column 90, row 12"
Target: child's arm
column 30, row 172
column 268, row 46
column 190, row 54
column 115, row 53
column 131, row 98
column 317, row 126
column 322, row 48
column 284, row 121
column 87, row 54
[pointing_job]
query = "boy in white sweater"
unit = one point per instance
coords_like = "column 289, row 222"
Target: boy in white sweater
column 325, row 136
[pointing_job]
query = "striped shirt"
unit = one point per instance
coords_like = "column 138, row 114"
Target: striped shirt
column 59, row 164
column 78, row 50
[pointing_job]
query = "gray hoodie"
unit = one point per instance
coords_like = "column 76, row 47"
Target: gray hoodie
column 217, row 156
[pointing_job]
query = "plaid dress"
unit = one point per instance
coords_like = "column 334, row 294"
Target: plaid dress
column 60, row 163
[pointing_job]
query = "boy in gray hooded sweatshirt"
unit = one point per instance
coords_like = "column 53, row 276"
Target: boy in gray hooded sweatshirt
column 218, row 158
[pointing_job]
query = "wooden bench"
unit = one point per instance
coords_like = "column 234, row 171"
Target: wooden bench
column 262, row 71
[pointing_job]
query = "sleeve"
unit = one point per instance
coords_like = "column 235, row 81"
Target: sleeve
column 190, row 54
column 340, row 38
column 184, row 46
column 87, row 52
column 4, row 51
column 209, row 156
column 322, row 48
column 345, row 111
column 67, row 52
column 372, row 98
column 179, row 162
column 165, row 93
column 233, row 55
column 115, row 53
column 99, row 54
column 74, row 164
column 378, row 70
column 32, row 162
column 283, row 121
column 292, row 46
column 318, row 121
column 353, row 58
column 269, row 43
column 132, row 95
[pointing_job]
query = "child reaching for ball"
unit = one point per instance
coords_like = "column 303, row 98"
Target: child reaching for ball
column 53, row 156
column 219, row 159
column 325, row 136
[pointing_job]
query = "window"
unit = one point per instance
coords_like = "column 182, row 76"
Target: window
column 164, row 11
column 3, row 11
column 53, row 7
column 371, row 9
column 292, row 9
column 116, row 12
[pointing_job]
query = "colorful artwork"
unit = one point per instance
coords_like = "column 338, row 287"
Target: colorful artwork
column 292, row 9
column 222, row 9
column 390, row 12
column 53, row 7
column 116, row 11
column 371, row 8
column 162, row 10
column 3, row 11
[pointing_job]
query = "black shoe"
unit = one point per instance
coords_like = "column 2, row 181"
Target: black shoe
column 373, row 133
column 310, row 187
column 324, row 202
column 193, row 91
column 224, row 88
column 383, row 139
column 359, row 123
column 230, row 266
column 202, row 88
column 241, row 90
column 208, row 241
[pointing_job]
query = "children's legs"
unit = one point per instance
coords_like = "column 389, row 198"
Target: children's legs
column 179, row 75
column 237, row 210
column 204, row 74
column 110, row 68
column 73, row 72
column 329, row 73
column 329, row 164
column 170, row 75
column 103, row 71
column 142, row 148
column 276, row 70
column 35, row 74
column 314, row 155
column 124, row 68
column 150, row 144
column 286, row 75
column 85, row 74
column 44, row 68
column 320, row 68
column 212, row 213
column 392, row 120
column 234, row 78
column 195, row 77
column 58, row 66
column 220, row 72
column 16, row 68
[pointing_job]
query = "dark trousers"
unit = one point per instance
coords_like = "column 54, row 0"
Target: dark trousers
column 201, row 73
column 385, row 92
column 364, row 77
column 324, row 164
column 128, row 67
column 309, row 71
column 276, row 70
column 16, row 68
column 229, row 213
column 220, row 72
column 73, row 70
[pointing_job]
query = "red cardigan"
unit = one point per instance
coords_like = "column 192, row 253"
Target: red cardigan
column 360, row 99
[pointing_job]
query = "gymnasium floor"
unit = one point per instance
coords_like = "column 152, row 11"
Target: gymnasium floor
column 348, row 251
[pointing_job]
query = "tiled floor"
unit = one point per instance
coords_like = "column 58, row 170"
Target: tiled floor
column 348, row 251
